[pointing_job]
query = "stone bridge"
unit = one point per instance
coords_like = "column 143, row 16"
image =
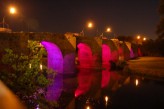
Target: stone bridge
column 66, row 52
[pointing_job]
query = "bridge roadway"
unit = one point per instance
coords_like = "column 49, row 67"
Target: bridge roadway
column 150, row 66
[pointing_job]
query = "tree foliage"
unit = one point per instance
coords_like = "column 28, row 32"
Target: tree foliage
column 125, row 38
column 160, row 26
column 26, row 76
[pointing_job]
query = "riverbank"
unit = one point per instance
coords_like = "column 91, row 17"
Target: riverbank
column 147, row 66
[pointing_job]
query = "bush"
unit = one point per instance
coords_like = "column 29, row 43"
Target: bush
column 26, row 76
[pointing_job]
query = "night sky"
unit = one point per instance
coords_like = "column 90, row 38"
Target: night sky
column 125, row 17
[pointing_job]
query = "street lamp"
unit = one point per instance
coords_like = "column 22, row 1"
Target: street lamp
column 138, row 37
column 144, row 39
column 107, row 31
column 89, row 25
column 12, row 10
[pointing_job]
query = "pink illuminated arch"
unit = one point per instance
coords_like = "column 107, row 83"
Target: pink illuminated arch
column 85, row 77
column 106, row 57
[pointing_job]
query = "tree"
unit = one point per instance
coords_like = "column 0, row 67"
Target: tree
column 125, row 38
column 160, row 26
column 26, row 76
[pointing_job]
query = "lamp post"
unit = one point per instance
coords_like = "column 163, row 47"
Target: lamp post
column 140, row 39
column 3, row 21
column 12, row 10
column 89, row 25
column 108, row 30
column 144, row 39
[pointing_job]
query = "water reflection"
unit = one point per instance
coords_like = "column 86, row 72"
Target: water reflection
column 106, row 89
column 121, row 92
column 85, row 78
column 89, row 78
column 136, row 82
column 88, row 107
column 106, row 101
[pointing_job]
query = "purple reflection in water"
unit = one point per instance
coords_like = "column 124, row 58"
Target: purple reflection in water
column 69, row 63
column 69, row 70
column 85, row 75
column 131, row 53
column 55, row 62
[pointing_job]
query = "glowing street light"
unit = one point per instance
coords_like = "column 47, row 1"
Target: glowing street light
column 108, row 29
column 90, row 25
column 138, row 37
column 144, row 39
column 12, row 10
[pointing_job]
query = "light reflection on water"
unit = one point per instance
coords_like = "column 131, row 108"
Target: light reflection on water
column 136, row 82
column 121, row 92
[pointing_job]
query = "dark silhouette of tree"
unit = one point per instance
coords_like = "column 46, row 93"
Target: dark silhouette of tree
column 160, row 26
column 125, row 38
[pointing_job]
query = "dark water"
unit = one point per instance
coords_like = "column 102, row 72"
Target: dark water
column 148, row 94
column 122, row 92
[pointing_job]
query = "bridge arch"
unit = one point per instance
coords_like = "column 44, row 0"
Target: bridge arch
column 85, row 60
column 106, row 57
column 85, row 56
column 55, row 62
column 109, row 55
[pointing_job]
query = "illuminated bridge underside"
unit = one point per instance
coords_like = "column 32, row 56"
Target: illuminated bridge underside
column 89, row 79
column 85, row 75
column 55, row 62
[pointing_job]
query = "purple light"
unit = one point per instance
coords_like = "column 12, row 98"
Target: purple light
column 69, row 69
column 131, row 53
column 69, row 63
column 55, row 62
